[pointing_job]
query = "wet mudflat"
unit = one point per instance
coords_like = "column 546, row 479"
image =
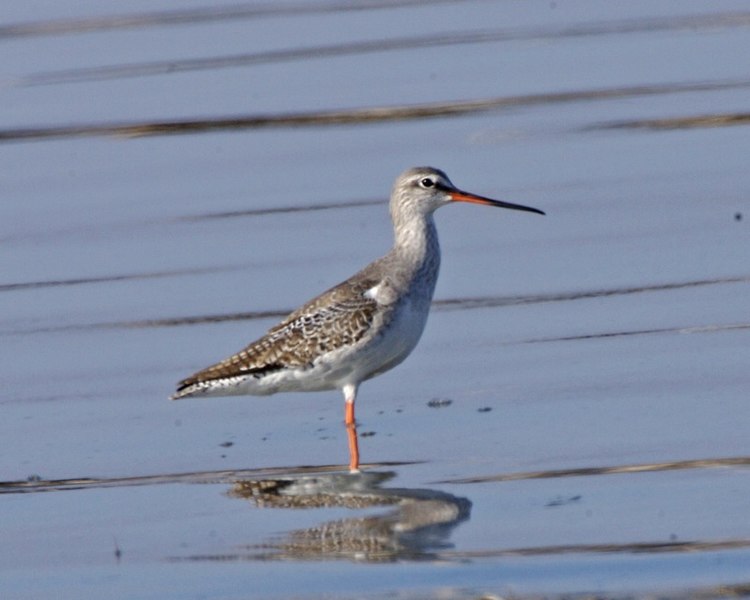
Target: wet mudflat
column 574, row 420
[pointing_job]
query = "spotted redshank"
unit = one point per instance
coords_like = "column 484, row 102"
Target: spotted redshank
column 362, row 327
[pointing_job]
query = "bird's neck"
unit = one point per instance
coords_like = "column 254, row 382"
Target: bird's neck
column 417, row 246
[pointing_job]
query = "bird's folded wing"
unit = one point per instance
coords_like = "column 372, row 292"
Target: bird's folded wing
column 335, row 319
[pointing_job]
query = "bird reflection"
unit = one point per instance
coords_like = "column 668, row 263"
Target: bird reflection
column 416, row 528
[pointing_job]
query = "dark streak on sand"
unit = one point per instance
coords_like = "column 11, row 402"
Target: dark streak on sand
column 38, row 484
column 357, row 116
column 708, row 463
column 26, row 285
column 432, row 40
column 209, row 14
column 678, row 123
column 440, row 305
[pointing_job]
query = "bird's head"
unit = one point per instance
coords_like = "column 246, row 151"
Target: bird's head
column 425, row 189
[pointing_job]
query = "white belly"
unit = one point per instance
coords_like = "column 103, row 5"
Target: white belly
column 396, row 341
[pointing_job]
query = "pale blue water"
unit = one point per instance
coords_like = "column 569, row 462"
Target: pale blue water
column 614, row 332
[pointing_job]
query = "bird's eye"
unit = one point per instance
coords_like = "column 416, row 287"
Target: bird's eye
column 427, row 182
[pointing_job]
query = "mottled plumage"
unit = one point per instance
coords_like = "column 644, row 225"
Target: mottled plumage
column 360, row 328
column 336, row 319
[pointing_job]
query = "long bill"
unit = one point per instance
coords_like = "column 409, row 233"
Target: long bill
column 461, row 196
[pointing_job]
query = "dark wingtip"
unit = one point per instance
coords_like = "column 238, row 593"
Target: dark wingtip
column 182, row 390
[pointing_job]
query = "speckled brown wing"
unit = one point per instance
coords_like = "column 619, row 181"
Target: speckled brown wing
column 336, row 318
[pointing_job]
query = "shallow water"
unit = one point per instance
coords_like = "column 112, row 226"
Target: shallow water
column 574, row 420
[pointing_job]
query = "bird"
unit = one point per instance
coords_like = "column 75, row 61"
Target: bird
column 360, row 328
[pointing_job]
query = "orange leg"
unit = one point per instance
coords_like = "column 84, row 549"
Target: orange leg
column 351, row 431
column 350, row 393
